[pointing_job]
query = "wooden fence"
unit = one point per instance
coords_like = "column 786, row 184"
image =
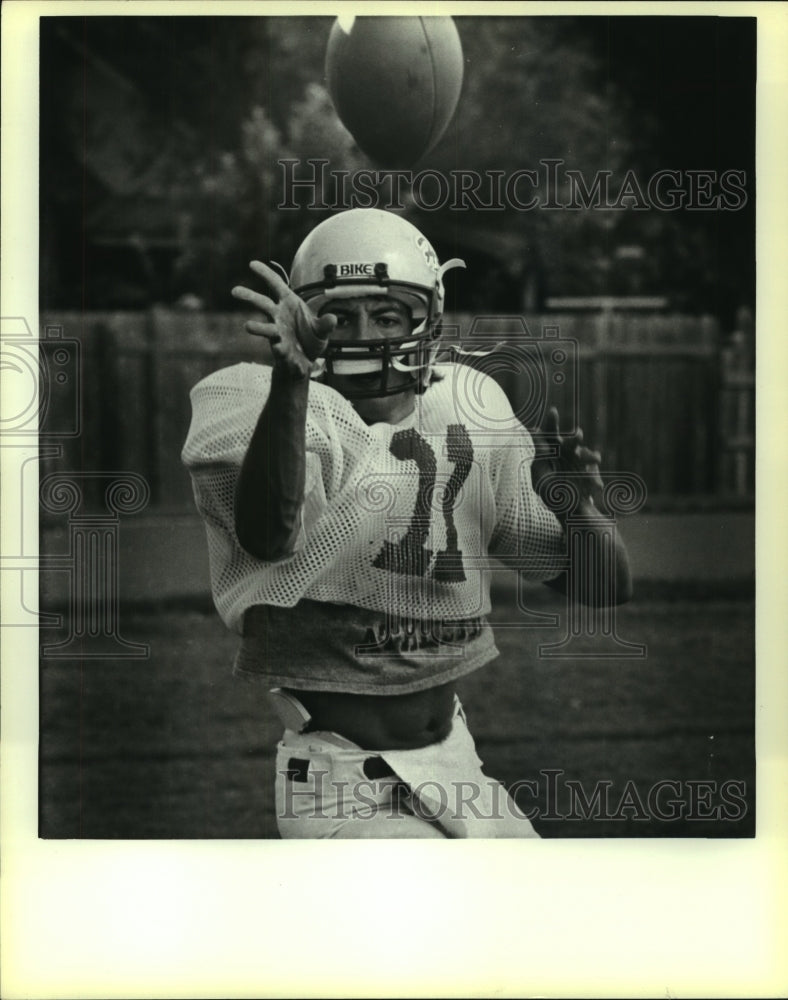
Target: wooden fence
column 654, row 393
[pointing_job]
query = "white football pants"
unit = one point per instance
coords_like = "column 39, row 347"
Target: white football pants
column 327, row 786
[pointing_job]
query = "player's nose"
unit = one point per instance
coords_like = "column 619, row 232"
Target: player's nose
column 361, row 327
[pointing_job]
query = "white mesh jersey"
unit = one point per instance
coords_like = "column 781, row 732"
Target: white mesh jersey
column 401, row 518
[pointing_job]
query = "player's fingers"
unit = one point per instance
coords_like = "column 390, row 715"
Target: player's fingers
column 551, row 422
column 274, row 280
column 256, row 299
column 268, row 330
column 312, row 331
column 574, row 440
column 325, row 324
column 587, row 455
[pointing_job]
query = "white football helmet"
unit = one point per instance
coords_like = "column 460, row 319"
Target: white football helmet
column 365, row 252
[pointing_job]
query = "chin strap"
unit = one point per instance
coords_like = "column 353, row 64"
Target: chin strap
column 400, row 366
column 460, row 352
column 318, row 367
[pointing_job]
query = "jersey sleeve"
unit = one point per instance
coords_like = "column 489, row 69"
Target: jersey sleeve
column 225, row 410
column 525, row 529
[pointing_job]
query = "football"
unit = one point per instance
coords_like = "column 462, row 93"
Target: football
column 395, row 83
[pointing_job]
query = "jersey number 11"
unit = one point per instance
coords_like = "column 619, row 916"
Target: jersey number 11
column 410, row 555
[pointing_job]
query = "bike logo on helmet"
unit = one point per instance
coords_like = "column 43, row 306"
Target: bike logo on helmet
column 355, row 270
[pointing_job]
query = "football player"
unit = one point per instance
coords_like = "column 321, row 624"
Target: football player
column 353, row 513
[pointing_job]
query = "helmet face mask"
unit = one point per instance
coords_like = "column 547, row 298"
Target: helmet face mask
column 364, row 253
column 373, row 365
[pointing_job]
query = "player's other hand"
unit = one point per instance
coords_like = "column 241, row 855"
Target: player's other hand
column 566, row 455
column 296, row 335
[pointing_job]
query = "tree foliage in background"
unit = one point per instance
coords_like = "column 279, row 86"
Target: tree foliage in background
column 161, row 142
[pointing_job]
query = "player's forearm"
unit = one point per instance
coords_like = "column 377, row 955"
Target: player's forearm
column 600, row 577
column 270, row 490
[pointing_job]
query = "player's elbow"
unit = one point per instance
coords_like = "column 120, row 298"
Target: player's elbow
column 265, row 539
column 611, row 597
column 607, row 595
column 264, row 548
column 602, row 590
column 611, row 584
column 625, row 591
column 624, row 588
column 610, row 593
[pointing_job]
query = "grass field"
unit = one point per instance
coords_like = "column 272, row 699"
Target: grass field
column 174, row 747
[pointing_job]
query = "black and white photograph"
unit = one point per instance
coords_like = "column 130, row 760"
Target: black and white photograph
column 380, row 460
column 566, row 237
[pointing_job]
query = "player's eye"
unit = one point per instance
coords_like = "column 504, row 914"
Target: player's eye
column 388, row 321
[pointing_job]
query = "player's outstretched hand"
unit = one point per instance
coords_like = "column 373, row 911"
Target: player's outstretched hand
column 558, row 454
column 296, row 335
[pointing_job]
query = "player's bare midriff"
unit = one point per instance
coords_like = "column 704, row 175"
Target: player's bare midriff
column 391, row 722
